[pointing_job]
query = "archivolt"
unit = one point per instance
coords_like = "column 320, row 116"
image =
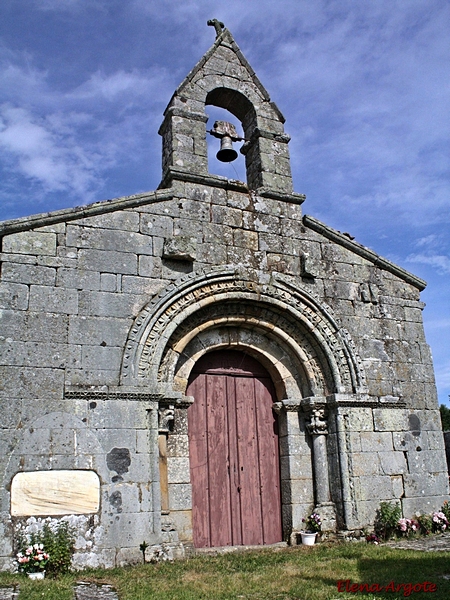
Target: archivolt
column 285, row 326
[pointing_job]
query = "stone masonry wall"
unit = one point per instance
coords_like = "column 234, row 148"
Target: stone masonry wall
column 70, row 292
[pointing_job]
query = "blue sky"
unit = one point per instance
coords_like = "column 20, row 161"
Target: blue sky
column 364, row 87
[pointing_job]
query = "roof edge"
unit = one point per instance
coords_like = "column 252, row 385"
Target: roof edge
column 79, row 212
column 363, row 251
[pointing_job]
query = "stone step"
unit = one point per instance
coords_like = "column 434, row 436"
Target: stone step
column 92, row 591
column 82, row 591
column 9, row 593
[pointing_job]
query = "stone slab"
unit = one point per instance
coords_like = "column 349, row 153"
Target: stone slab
column 9, row 593
column 55, row 493
column 92, row 591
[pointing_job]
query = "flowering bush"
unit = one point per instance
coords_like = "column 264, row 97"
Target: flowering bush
column 440, row 522
column 372, row 538
column 32, row 559
column 407, row 527
column 45, row 544
column 313, row 523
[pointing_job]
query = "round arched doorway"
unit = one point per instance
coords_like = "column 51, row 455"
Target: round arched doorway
column 234, row 452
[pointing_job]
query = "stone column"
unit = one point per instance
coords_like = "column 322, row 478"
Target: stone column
column 318, row 429
column 166, row 417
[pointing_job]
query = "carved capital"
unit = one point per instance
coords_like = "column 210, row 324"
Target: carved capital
column 166, row 416
column 318, row 424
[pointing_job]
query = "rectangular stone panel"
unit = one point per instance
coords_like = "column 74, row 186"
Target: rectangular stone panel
column 55, row 493
column 30, row 242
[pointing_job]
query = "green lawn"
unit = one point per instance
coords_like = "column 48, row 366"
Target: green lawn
column 300, row 573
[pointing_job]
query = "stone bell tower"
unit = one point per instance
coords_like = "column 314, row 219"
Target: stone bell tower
column 224, row 78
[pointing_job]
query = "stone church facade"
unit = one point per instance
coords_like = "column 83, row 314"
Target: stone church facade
column 203, row 365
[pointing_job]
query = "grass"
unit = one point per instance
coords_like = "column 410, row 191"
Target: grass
column 299, row 573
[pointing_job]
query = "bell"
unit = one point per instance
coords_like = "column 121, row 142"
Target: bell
column 226, row 153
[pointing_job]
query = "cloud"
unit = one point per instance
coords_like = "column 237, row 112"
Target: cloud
column 440, row 262
column 429, row 241
column 38, row 151
column 69, row 141
column 66, row 5
column 122, row 86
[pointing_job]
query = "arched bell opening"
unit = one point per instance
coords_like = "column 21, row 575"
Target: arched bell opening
column 223, row 78
column 231, row 169
column 232, row 106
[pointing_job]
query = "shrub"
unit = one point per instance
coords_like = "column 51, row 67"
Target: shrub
column 446, row 509
column 425, row 524
column 58, row 540
column 387, row 519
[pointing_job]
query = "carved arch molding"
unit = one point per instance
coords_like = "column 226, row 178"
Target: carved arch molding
column 287, row 328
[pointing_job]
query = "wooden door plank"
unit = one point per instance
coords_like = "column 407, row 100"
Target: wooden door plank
column 235, row 503
column 267, row 434
column 198, row 459
column 251, row 517
column 219, row 487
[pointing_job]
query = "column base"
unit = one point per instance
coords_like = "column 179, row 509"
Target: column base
column 327, row 512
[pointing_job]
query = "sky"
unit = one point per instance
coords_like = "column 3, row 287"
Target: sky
column 363, row 85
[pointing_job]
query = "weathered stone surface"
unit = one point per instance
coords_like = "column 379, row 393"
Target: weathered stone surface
column 376, row 442
column 13, row 296
column 30, row 242
column 28, row 274
column 390, row 419
column 180, row 495
column 393, row 463
column 9, row 593
column 92, row 591
column 178, row 470
column 108, row 261
column 52, row 299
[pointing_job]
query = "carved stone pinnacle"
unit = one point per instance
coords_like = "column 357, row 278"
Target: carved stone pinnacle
column 218, row 26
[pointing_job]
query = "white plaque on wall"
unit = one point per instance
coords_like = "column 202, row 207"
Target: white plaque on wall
column 49, row 493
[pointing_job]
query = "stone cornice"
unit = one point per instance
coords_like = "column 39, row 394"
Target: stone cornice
column 130, row 393
column 228, row 184
column 80, row 212
column 363, row 251
column 209, row 180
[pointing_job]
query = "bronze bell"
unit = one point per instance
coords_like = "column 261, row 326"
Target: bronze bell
column 226, row 153
column 227, row 134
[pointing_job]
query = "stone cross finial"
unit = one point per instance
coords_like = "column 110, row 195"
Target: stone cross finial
column 218, row 26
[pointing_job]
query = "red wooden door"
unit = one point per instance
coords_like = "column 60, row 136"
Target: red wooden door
column 233, row 448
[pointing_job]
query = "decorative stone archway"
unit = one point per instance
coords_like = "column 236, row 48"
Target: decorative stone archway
column 279, row 306
column 310, row 358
